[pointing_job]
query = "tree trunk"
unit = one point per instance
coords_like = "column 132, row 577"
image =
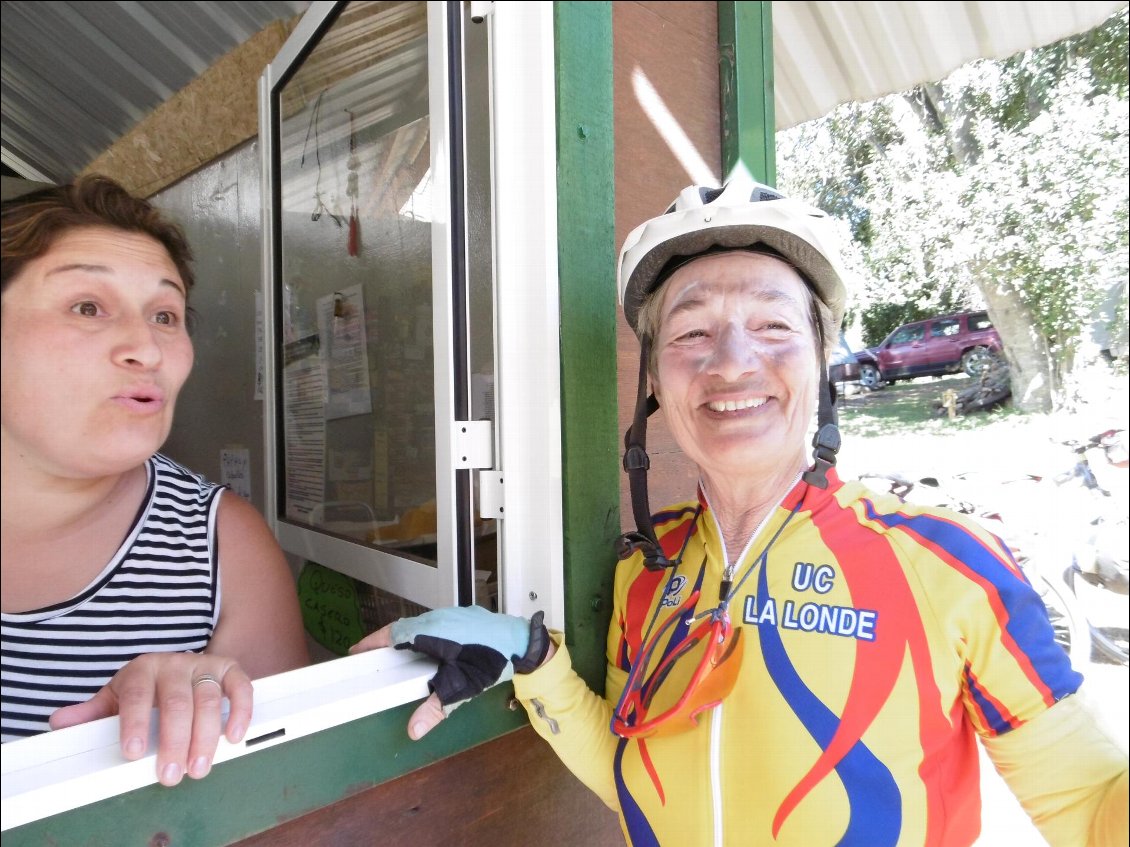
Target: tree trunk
column 1035, row 383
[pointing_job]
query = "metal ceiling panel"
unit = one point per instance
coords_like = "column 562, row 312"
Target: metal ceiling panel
column 76, row 76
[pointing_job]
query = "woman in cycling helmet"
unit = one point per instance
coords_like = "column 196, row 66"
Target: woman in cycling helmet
column 792, row 659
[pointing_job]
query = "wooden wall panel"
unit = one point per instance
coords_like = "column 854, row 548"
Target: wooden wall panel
column 674, row 46
column 509, row 791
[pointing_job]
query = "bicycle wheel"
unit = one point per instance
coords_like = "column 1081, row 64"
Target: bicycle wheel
column 1109, row 635
column 1066, row 616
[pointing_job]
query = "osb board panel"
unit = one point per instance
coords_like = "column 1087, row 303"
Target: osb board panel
column 671, row 48
column 509, row 791
column 214, row 113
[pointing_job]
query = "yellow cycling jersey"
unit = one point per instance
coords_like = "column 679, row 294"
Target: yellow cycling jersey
column 880, row 639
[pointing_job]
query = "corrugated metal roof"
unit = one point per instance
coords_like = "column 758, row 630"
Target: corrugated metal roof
column 827, row 53
column 76, row 76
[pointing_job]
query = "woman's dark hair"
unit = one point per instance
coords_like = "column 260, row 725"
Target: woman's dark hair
column 31, row 224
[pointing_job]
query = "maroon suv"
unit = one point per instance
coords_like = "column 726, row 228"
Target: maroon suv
column 942, row 345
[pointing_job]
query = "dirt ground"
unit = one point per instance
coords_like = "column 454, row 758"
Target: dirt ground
column 998, row 448
column 1004, row 442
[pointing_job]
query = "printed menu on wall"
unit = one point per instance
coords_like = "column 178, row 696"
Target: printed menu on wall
column 304, row 392
column 341, row 329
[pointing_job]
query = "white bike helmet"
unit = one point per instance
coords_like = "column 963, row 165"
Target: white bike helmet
column 741, row 214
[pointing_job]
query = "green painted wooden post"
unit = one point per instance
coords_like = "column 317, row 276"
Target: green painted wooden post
column 745, row 57
column 586, row 256
column 254, row 793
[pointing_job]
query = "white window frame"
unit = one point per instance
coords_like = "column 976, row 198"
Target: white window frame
column 421, row 583
column 528, row 360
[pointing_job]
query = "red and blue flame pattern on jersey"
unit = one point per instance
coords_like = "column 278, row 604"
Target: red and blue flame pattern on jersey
column 958, row 644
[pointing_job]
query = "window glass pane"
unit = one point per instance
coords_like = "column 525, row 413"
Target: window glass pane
column 980, row 320
column 908, row 334
column 358, row 412
column 947, row 326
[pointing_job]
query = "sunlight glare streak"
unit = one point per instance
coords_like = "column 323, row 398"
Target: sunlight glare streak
column 670, row 131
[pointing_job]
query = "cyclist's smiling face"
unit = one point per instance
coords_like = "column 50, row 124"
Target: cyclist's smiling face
column 736, row 363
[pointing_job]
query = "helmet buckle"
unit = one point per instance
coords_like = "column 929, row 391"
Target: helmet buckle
column 653, row 557
column 636, row 458
column 825, row 445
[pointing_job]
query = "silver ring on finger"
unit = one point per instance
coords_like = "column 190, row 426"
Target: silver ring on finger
column 206, row 677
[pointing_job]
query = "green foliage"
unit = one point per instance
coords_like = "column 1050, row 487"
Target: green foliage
column 1104, row 49
column 1048, row 208
column 1007, row 178
column 880, row 319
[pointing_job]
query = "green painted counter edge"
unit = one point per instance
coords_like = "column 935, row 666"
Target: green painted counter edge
column 254, row 793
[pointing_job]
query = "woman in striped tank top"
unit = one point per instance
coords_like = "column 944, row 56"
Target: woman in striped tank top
column 128, row 581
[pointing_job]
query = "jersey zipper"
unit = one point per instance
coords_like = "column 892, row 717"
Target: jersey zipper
column 716, row 772
column 729, row 569
column 716, row 712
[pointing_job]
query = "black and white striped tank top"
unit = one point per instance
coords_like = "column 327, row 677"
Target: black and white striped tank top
column 159, row 593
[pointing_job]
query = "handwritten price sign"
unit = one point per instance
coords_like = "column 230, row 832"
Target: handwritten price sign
column 331, row 609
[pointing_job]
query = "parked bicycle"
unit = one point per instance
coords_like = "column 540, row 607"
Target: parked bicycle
column 1068, row 533
column 1098, row 574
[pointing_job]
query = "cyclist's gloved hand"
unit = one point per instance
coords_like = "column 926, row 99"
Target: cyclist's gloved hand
column 476, row 648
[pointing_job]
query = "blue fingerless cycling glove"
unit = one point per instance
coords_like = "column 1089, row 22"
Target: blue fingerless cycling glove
column 476, row 648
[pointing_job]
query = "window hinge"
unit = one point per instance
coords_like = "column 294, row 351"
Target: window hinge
column 480, row 9
column 492, row 498
column 474, row 444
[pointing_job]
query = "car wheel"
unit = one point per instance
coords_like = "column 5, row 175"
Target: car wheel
column 869, row 377
column 976, row 361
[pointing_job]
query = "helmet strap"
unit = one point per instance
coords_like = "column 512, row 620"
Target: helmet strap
column 825, row 445
column 636, row 464
column 826, row 442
